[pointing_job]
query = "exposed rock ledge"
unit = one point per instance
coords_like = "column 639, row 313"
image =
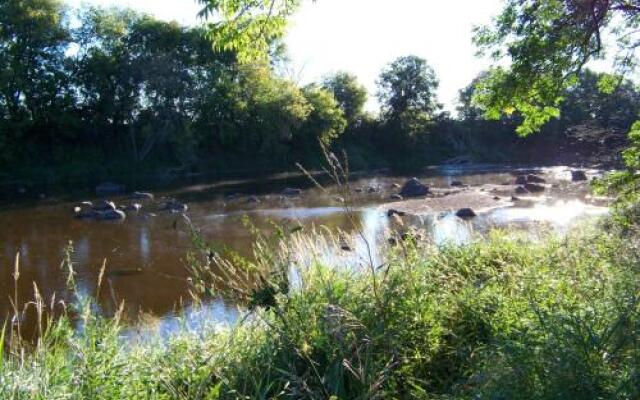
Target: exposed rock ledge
column 474, row 199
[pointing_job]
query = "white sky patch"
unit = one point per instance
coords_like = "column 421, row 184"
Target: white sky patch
column 362, row 36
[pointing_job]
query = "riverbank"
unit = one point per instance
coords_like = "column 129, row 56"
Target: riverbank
column 505, row 317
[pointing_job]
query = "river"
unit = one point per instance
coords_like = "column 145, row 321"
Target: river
column 145, row 253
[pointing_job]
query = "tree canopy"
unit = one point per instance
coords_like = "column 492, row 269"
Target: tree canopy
column 548, row 43
column 408, row 86
column 349, row 93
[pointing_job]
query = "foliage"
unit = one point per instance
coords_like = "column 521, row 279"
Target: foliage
column 247, row 27
column 33, row 87
column 349, row 93
column 548, row 44
column 407, row 87
column 124, row 89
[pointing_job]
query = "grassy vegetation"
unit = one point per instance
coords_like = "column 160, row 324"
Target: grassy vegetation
column 502, row 318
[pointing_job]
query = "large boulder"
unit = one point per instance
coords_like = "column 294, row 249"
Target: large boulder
column 535, row 179
column 534, row 188
column 578, row 175
column 414, row 188
column 109, row 188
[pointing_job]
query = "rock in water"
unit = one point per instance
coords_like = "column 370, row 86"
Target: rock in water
column 393, row 212
column 105, row 205
column 535, row 179
column 521, row 190
column 456, row 184
column 534, row 188
column 135, row 207
column 85, row 214
column 578, row 175
column 465, row 213
column 175, row 206
column 414, row 188
column 521, row 180
column 395, row 197
column 111, row 215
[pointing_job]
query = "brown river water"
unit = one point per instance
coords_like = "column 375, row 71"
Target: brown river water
column 145, row 254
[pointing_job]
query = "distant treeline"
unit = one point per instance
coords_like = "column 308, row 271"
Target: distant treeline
column 99, row 92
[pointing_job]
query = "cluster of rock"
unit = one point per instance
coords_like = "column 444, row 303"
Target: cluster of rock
column 107, row 210
column 530, row 184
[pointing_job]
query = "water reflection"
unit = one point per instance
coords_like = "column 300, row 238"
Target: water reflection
column 145, row 254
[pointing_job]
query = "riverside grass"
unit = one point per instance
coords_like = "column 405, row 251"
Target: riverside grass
column 501, row 318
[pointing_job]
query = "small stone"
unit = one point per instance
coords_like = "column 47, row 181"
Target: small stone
column 135, row 207
column 578, row 175
column 175, row 206
column 105, row 205
column 393, row 212
column 465, row 213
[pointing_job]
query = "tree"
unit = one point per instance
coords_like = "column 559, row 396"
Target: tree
column 248, row 27
column 350, row 95
column 326, row 120
column 33, row 89
column 406, row 87
column 584, row 101
column 548, row 44
column 467, row 109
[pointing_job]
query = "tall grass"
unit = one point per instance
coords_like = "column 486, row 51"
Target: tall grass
column 502, row 318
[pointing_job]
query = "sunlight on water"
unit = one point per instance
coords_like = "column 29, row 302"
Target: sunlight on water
column 560, row 214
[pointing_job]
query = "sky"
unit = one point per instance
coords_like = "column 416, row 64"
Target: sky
column 362, row 36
